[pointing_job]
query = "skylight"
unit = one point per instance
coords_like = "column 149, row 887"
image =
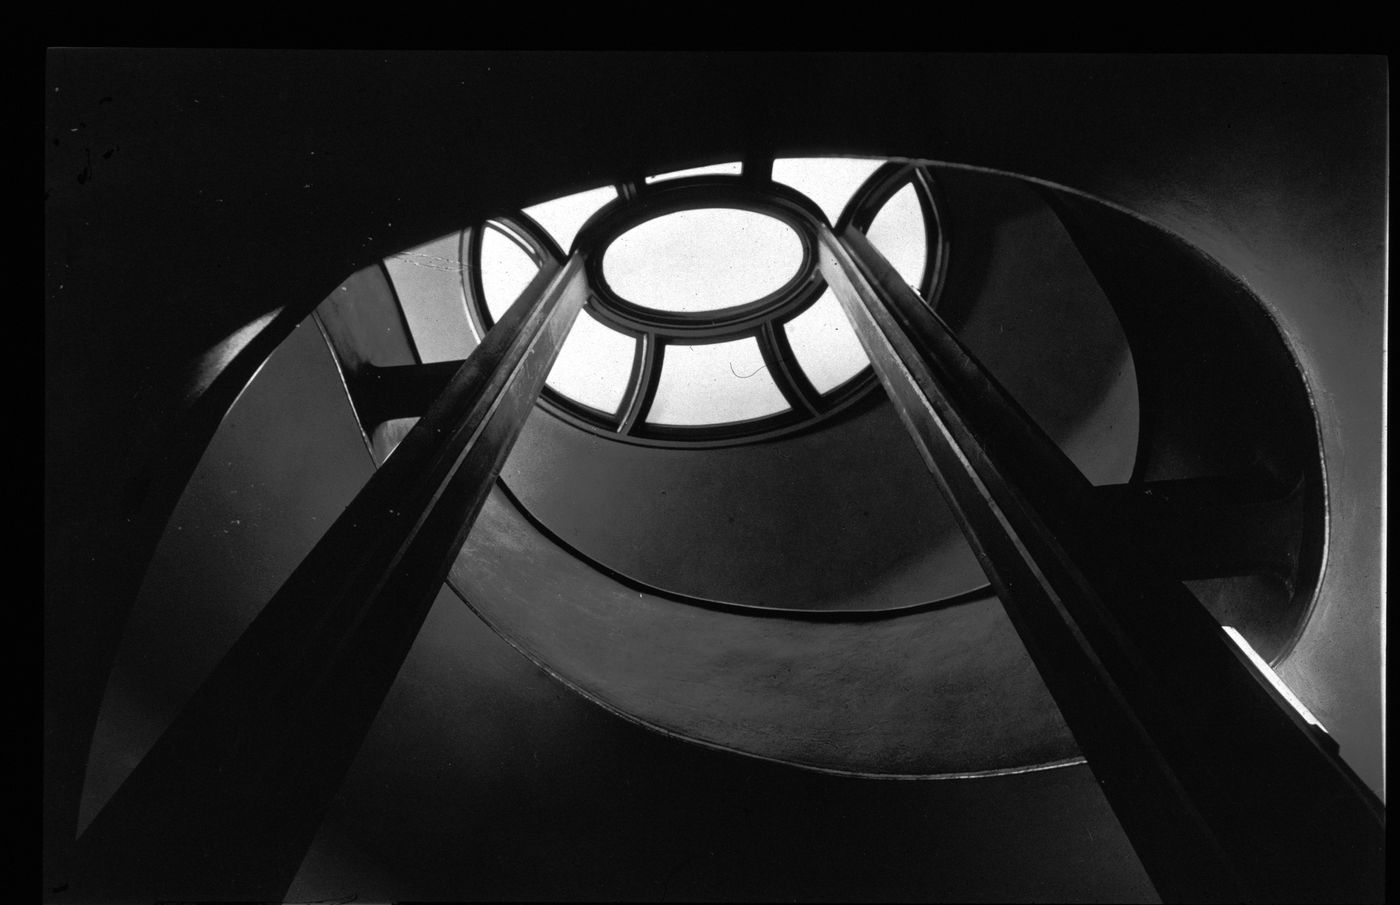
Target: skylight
column 825, row 344
column 506, row 269
column 594, row 364
column 829, row 181
column 713, row 384
column 562, row 217
column 733, row 168
column 707, row 319
column 702, row 260
column 898, row 234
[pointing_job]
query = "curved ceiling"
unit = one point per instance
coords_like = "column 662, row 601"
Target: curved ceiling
column 840, row 521
column 843, row 516
column 163, row 238
column 937, row 692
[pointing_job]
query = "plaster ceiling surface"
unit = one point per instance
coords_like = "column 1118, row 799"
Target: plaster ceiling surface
column 932, row 693
column 744, row 526
column 754, row 526
column 846, row 516
column 843, row 518
column 708, row 538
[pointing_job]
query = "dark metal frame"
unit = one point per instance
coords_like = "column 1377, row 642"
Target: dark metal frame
column 1237, row 522
column 763, row 319
column 237, row 785
column 1225, row 791
column 696, row 193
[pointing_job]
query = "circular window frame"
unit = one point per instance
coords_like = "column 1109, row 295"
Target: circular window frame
column 763, row 319
column 692, row 194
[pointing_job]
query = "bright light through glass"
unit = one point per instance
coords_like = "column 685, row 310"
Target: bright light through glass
column 702, row 260
column 825, row 344
column 714, row 384
column 505, row 271
column 733, row 168
column 898, row 233
column 562, row 217
column 594, row 364
column 706, row 261
column 829, row 181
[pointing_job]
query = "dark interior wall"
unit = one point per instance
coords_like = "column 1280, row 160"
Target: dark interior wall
column 932, row 692
column 484, row 777
column 845, row 518
column 281, row 468
column 191, row 194
column 1299, row 217
column 848, row 517
column 564, row 801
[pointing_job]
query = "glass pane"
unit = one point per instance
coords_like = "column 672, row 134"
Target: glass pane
column 898, row 232
column 562, row 217
column 825, row 344
column 428, row 282
column 713, row 384
column 734, row 168
column 594, row 364
column 829, row 181
column 702, row 260
column 505, row 270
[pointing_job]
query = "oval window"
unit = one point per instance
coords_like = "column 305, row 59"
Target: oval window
column 702, row 260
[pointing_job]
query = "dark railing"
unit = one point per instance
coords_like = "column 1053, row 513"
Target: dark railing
column 229, row 798
column 1225, row 791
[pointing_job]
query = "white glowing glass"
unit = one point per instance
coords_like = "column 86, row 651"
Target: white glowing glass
column 428, row 282
column 506, row 269
column 714, row 383
column 702, row 260
column 733, row 168
column 829, row 181
column 898, row 232
column 594, row 364
column 825, row 344
column 562, row 217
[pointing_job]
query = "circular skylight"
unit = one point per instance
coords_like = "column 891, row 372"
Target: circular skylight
column 714, row 383
column 705, row 259
column 898, row 233
column 708, row 321
column 506, row 269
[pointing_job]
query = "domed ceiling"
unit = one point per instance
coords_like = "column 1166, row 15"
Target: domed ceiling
column 816, row 542
column 740, row 450
column 712, row 452
column 713, row 523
